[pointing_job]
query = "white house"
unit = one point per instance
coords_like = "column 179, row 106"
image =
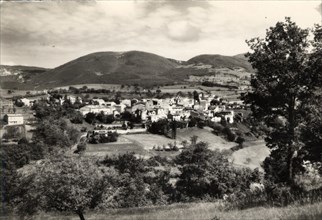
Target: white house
column 99, row 101
column 13, row 119
column 26, row 102
column 96, row 109
column 126, row 102
column 72, row 99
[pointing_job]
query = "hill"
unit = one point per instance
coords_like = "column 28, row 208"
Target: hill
column 109, row 67
column 18, row 76
column 220, row 61
column 132, row 67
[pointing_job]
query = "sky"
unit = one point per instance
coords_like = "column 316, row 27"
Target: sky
column 50, row 33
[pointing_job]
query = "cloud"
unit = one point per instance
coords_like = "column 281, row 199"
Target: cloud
column 319, row 9
column 181, row 6
column 50, row 33
column 183, row 31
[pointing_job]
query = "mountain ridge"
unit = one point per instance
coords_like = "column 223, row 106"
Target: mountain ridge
column 128, row 67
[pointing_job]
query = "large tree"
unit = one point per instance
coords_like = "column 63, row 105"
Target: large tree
column 287, row 77
column 60, row 184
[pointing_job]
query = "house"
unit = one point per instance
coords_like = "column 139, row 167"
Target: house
column 26, row 102
column 126, row 102
column 99, row 101
column 72, row 99
column 96, row 109
column 120, row 107
column 174, row 110
column 13, row 119
column 228, row 115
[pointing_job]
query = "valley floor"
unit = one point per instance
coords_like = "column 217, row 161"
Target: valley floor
column 198, row 211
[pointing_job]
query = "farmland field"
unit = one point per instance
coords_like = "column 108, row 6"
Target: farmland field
column 143, row 143
column 252, row 155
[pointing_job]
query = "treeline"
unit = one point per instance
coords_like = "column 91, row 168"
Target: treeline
column 126, row 181
column 212, row 84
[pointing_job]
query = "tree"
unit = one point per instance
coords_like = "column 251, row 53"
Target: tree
column 287, row 77
column 90, row 118
column 55, row 133
column 196, row 96
column 61, row 184
column 77, row 118
column 209, row 173
column 159, row 127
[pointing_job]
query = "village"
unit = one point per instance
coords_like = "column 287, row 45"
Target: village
column 202, row 106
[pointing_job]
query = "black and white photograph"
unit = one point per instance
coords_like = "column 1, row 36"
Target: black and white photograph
column 161, row 109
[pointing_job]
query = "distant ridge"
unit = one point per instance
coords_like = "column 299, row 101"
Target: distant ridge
column 130, row 67
column 222, row 61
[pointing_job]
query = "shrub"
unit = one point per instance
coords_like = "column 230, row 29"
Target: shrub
column 229, row 134
column 81, row 147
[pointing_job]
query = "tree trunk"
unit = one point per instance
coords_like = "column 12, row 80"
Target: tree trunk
column 291, row 150
column 80, row 214
column 290, row 159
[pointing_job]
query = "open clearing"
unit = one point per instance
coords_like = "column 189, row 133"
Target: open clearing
column 142, row 144
column 252, row 155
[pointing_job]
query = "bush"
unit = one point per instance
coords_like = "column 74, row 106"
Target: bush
column 103, row 138
column 160, row 127
column 12, row 132
column 229, row 134
column 77, row 118
column 206, row 173
column 81, row 147
column 201, row 124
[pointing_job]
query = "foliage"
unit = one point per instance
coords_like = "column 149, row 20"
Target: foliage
column 286, row 79
column 229, row 134
column 55, row 133
column 136, row 183
column 209, row 173
column 61, row 184
column 212, row 84
column 103, row 138
column 159, row 127
column 81, row 147
column 77, row 118
column 90, row 118
column 12, row 158
column 103, row 118
column 13, row 132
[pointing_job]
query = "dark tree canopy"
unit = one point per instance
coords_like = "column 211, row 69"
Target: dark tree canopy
column 61, row 184
column 287, row 78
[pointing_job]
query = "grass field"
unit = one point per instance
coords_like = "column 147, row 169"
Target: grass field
column 252, row 155
column 194, row 211
column 142, row 144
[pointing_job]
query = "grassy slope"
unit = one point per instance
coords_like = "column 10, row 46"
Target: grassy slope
column 118, row 68
column 222, row 61
column 109, row 67
column 206, row 211
column 143, row 143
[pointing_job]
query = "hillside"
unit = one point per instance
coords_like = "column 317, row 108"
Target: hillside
column 18, row 76
column 109, row 67
column 132, row 67
column 220, row 61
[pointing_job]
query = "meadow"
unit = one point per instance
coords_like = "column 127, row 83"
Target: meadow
column 193, row 211
column 250, row 156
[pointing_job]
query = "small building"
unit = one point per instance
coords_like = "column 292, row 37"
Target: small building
column 99, row 101
column 26, row 102
column 13, row 119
